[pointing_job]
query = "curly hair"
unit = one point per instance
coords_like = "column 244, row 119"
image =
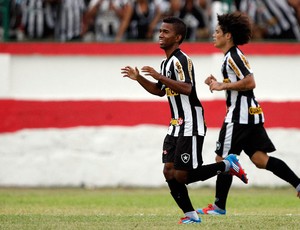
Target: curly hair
column 238, row 24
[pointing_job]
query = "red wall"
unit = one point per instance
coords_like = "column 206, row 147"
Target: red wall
column 19, row 114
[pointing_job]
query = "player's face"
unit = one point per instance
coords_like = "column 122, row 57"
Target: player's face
column 167, row 36
column 219, row 38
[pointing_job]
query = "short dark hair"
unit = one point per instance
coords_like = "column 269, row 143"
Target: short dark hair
column 179, row 26
column 238, row 24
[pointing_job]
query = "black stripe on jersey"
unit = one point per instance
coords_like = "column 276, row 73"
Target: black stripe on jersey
column 173, row 77
column 259, row 115
column 237, row 109
column 250, row 117
column 225, row 75
column 242, row 66
column 163, row 67
column 239, row 62
column 183, row 62
column 180, row 113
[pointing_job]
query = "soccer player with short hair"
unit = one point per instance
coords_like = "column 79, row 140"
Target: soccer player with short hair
column 243, row 127
column 182, row 148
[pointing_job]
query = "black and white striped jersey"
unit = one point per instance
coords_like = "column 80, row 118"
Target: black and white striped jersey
column 277, row 16
column 37, row 18
column 187, row 115
column 69, row 20
column 242, row 106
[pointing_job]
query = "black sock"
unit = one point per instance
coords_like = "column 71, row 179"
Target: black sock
column 223, row 185
column 280, row 169
column 180, row 194
column 205, row 172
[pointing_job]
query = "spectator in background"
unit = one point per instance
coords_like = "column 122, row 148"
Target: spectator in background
column 140, row 20
column 296, row 5
column 273, row 19
column 167, row 8
column 69, row 19
column 163, row 5
column 103, row 17
column 176, row 7
column 37, row 19
column 192, row 14
column 195, row 19
column 218, row 7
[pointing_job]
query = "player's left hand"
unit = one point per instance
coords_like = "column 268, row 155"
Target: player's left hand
column 149, row 71
column 216, row 86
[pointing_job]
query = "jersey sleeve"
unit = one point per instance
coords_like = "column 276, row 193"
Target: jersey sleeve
column 240, row 65
column 184, row 69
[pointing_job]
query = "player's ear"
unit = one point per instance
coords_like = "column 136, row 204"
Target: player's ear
column 178, row 38
column 228, row 36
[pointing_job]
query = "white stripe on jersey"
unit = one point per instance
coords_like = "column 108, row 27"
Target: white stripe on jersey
column 188, row 131
column 194, row 153
column 200, row 123
column 256, row 118
column 232, row 107
column 171, row 127
column 227, row 140
column 244, row 110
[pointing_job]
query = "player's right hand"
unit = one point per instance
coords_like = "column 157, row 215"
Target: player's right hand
column 130, row 72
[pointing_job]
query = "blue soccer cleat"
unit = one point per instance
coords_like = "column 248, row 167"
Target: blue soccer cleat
column 236, row 168
column 188, row 220
column 211, row 210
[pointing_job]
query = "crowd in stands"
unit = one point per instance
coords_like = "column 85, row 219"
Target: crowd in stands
column 125, row 20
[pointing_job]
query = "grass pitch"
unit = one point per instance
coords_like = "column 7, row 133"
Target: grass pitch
column 142, row 208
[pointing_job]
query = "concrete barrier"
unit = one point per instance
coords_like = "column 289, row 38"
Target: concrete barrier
column 102, row 155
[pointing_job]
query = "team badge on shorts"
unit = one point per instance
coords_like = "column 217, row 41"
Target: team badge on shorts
column 185, row 158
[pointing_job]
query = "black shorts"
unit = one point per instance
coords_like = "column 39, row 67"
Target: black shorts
column 184, row 152
column 234, row 138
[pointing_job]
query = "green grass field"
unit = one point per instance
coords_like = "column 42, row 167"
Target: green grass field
column 141, row 208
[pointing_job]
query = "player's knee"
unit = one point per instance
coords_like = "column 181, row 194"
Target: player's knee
column 181, row 179
column 168, row 172
column 260, row 159
column 259, row 165
column 181, row 176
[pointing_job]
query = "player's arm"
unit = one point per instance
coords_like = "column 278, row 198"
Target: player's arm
column 151, row 87
column 247, row 83
column 176, row 86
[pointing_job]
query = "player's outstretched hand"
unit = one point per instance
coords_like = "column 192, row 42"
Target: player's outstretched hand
column 130, row 72
column 149, row 71
column 209, row 80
